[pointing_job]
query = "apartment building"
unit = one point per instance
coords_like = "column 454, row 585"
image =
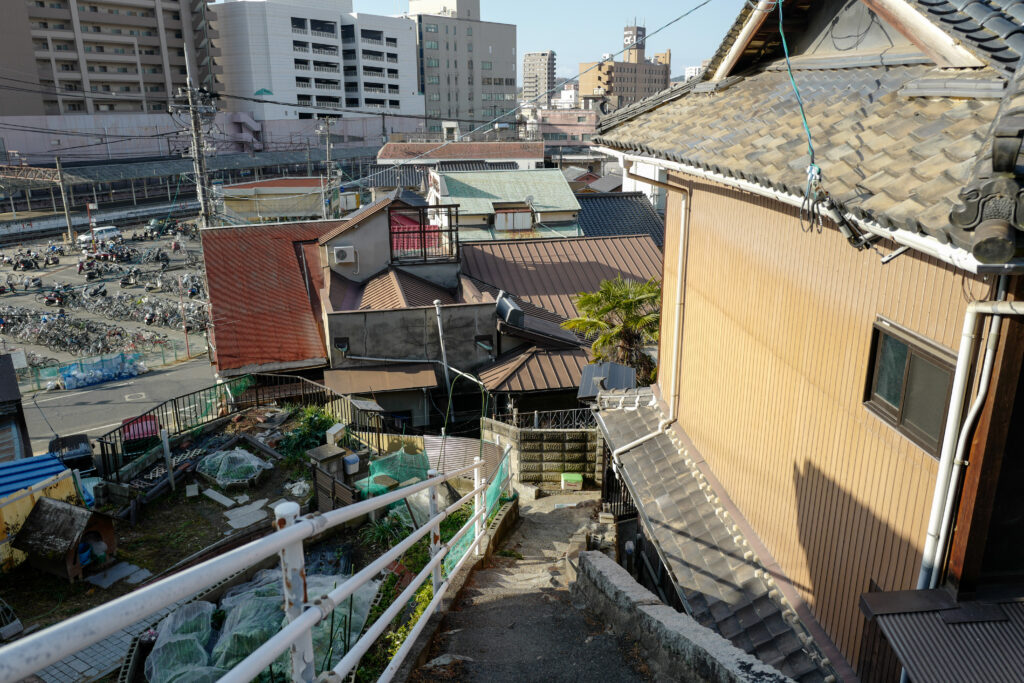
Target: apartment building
column 538, row 77
column 101, row 56
column 628, row 81
column 310, row 54
column 467, row 66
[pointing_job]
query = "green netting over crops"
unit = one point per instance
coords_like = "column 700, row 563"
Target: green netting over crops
column 494, row 489
column 393, row 471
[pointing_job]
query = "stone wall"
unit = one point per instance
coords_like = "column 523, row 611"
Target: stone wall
column 675, row 646
column 541, row 455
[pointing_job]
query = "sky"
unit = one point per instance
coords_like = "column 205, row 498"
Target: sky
column 582, row 30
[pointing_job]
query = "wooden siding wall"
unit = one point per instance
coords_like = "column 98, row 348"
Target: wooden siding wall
column 776, row 340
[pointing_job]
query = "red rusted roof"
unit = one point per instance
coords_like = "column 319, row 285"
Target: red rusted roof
column 278, row 182
column 264, row 283
column 548, row 273
column 436, row 151
column 391, row 289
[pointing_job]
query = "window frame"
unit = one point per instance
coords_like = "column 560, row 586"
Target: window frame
column 926, row 350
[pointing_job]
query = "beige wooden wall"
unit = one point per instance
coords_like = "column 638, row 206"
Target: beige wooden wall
column 777, row 330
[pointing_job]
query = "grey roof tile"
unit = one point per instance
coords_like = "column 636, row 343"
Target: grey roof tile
column 619, row 213
column 701, row 549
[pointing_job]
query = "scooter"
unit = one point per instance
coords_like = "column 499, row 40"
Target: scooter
column 91, row 274
column 54, row 299
column 98, row 290
column 36, row 283
column 51, row 260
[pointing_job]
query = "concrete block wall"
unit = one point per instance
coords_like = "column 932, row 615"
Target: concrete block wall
column 542, row 455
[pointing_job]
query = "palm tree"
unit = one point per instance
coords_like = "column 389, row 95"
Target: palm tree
column 622, row 317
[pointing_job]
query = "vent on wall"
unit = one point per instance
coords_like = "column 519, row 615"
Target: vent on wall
column 344, row 255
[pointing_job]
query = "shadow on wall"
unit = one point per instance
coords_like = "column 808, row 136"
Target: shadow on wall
column 850, row 551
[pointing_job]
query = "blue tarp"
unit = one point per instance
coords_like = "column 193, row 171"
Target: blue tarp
column 21, row 474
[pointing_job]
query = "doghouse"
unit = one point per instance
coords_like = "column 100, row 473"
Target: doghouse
column 63, row 539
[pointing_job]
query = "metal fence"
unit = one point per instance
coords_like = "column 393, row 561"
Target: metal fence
column 615, row 497
column 36, row 378
column 30, row 654
column 194, row 410
column 577, row 418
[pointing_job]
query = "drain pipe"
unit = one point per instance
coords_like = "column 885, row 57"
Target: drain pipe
column 444, row 354
column 946, row 526
column 944, row 485
column 683, row 246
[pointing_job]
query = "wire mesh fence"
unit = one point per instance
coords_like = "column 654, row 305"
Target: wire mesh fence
column 41, row 373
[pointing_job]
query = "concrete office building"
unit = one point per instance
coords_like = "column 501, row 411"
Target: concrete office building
column 628, row 81
column 111, row 56
column 538, row 77
column 467, row 66
column 317, row 53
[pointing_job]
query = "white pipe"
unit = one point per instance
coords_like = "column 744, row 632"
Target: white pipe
column 947, row 253
column 444, row 354
column 754, row 21
column 965, row 434
column 949, row 439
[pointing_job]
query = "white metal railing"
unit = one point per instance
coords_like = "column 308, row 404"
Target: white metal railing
column 28, row 655
column 300, row 48
column 303, row 85
column 329, row 69
column 302, row 67
column 372, row 41
column 328, row 86
column 300, row 31
column 322, row 51
column 373, row 58
column 372, row 88
column 392, row 75
column 324, row 34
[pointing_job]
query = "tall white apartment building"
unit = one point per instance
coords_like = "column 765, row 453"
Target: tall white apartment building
column 538, row 77
column 316, row 53
column 467, row 66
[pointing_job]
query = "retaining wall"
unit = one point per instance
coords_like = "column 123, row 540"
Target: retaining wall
column 541, row 455
column 674, row 645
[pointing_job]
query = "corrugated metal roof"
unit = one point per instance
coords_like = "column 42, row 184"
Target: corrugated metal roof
column 608, row 183
column 380, row 378
column 459, row 452
column 549, row 273
column 394, row 288
column 935, row 651
column 476, row 191
column 462, row 151
column 264, row 297
column 619, row 213
column 21, row 474
column 535, row 369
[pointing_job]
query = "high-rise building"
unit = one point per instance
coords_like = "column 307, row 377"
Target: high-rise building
column 317, row 53
column 628, row 81
column 111, row 56
column 538, row 77
column 467, row 66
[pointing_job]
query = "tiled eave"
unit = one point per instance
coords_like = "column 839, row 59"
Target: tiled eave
column 878, row 225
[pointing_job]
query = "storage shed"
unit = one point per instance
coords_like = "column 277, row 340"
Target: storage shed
column 63, row 539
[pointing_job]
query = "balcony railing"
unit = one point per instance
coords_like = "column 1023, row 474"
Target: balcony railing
column 329, row 69
column 299, row 31
column 372, row 88
column 300, row 48
column 303, row 85
column 373, row 58
column 392, row 75
column 322, row 51
column 302, row 67
column 577, row 418
column 372, row 41
column 375, row 106
column 393, row 60
column 328, row 86
column 325, row 34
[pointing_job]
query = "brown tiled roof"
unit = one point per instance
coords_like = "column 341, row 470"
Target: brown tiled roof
column 264, row 294
column 548, row 273
column 469, row 151
column 535, row 369
column 394, row 288
column 367, row 380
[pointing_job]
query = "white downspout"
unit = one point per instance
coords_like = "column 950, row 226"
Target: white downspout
column 944, row 483
column 754, row 21
column 444, row 354
column 673, row 398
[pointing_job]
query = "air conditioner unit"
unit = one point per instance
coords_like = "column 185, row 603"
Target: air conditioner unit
column 344, row 255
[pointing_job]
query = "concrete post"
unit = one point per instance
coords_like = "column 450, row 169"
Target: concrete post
column 167, row 457
column 293, row 573
column 435, row 533
column 131, row 182
column 478, row 501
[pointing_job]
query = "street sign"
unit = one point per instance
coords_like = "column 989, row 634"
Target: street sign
column 93, row 206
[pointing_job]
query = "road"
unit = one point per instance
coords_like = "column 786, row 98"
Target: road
column 100, row 408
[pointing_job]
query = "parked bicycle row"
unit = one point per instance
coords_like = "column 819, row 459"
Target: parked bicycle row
column 76, row 336
column 143, row 309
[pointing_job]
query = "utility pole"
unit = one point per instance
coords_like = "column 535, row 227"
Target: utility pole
column 200, row 110
column 324, row 128
column 64, row 201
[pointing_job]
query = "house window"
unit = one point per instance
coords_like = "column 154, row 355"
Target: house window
column 909, row 382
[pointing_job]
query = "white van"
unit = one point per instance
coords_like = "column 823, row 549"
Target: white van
column 103, row 233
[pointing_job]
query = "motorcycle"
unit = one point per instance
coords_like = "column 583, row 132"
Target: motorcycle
column 36, row 283
column 150, row 318
column 91, row 274
column 51, row 260
column 98, row 290
column 25, row 263
column 54, row 299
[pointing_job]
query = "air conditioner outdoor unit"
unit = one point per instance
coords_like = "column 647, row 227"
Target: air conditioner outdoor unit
column 344, row 254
